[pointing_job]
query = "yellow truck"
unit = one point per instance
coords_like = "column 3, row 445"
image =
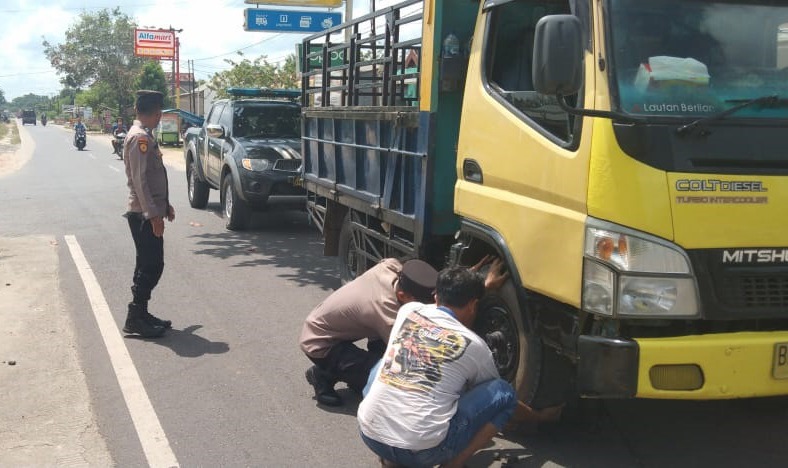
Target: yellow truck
column 627, row 158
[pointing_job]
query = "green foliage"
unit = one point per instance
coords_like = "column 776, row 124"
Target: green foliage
column 30, row 101
column 257, row 73
column 99, row 48
column 152, row 77
column 2, row 98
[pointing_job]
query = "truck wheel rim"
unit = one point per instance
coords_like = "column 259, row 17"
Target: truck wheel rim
column 496, row 325
column 228, row 201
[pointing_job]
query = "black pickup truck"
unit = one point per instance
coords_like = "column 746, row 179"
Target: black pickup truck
column 248, row 148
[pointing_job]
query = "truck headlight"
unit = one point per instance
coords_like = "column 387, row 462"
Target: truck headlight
column 631, row 274
column 255, row 164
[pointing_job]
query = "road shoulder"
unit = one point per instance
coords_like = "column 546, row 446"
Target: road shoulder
column 45, row 417
column 14, row 156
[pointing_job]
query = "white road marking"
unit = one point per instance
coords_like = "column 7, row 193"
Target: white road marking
column 151, row 435
column 91, row 155
column 114, row 168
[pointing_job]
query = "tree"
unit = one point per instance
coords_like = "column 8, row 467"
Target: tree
column 257, row 73
column 29, row 101
column 99, row 47
column 2, row 98
column 152, row 77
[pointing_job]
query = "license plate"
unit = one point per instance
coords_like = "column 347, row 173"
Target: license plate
column 780, row 361
column 297, row 181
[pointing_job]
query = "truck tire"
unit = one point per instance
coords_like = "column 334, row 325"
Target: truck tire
column 539, row 375
column 197, row 190
column 235, row 211
column 351, row 263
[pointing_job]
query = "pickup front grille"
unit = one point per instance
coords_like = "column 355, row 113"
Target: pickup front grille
column 290, row 165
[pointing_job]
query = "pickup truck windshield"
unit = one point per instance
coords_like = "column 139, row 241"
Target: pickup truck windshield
column 692, row 59
column 266, row 121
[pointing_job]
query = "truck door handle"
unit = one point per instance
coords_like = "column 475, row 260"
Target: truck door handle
column 472, row 171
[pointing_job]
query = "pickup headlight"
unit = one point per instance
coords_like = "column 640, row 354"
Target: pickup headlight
column 631, row 274
column 255, row 164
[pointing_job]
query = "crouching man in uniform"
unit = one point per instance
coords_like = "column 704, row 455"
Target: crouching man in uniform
column 436, row 398
column 364, row 308
column 148, row 207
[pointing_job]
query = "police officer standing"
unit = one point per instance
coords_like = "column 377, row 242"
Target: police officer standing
column 148, row 207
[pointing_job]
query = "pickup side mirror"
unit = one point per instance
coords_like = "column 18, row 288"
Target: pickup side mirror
column 214, row 131
column 558, row 55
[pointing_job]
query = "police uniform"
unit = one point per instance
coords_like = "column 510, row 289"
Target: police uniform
column 365, row 308
column 148, row 198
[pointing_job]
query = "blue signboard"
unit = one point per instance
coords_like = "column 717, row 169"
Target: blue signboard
column 305, row 21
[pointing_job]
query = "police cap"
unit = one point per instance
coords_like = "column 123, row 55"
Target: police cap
column 149, row 100
column 418, row 279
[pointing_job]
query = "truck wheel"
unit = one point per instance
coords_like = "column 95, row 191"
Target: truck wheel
column 198, row 190
column 352, row 262
column 234, row 210
column 539, row 375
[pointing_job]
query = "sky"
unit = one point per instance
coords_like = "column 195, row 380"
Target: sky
column 212, row 31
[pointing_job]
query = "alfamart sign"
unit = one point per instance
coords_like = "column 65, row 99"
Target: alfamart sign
column 154, row 43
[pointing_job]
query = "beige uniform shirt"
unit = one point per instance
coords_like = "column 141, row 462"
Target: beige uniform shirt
column 145, row 172
column 364, row 308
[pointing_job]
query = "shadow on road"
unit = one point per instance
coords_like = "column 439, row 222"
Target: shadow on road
column 280, row 239
column 185, row 343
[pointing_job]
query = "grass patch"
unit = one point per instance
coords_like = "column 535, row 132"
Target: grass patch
column 15, row 140
column 3, row 130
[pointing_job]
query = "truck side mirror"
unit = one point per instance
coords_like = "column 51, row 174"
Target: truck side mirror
column 558, row 55
column 214, row 131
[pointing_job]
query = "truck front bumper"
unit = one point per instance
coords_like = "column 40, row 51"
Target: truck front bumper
column 696, row 367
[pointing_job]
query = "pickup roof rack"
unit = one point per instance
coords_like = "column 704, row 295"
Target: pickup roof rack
column 240, row 93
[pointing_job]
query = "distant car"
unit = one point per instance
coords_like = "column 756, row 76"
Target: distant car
column 29, row 117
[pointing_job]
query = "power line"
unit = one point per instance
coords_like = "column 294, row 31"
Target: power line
column 238, row 50
column 27, row 73
column 134, row 5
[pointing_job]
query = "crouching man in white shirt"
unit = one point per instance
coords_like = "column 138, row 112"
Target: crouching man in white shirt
column 437, row 398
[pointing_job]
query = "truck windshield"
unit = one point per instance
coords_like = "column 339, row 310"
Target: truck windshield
column 691, row 58
column 267, row 121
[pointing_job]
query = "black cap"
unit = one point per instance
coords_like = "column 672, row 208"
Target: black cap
column 147, row 99
column 418, row 279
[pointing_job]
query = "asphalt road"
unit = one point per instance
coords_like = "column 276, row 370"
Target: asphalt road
column 227, row 382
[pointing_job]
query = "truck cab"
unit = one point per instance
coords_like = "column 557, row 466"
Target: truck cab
column 625, row 157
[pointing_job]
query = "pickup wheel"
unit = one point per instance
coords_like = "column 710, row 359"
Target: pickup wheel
column 540, row 376
column 235, row 211
column 197, row 189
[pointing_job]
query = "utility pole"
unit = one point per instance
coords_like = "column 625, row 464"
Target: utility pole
column 348, row 17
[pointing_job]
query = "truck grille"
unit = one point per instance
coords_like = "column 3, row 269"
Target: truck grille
column 291, row 165
column 740, row 291
column 754, row 291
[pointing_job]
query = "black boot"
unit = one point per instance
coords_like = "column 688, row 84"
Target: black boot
column 324, row 387
column 136, row 323
column 153, row 320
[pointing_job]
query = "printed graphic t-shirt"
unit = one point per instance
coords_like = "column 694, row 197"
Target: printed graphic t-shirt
column 430, row 361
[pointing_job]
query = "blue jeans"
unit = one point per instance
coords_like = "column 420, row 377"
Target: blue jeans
column 489, row 402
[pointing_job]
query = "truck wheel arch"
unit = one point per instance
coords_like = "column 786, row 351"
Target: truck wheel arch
column 494, row 240
column 543, row 377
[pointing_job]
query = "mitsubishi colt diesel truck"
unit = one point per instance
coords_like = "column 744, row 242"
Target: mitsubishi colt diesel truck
column 628, row 159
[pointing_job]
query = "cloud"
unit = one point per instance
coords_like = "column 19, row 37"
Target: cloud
column 212, row 32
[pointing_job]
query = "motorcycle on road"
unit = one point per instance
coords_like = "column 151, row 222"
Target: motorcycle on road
column 44, row 120
column 117, row 144
column 80, row 139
